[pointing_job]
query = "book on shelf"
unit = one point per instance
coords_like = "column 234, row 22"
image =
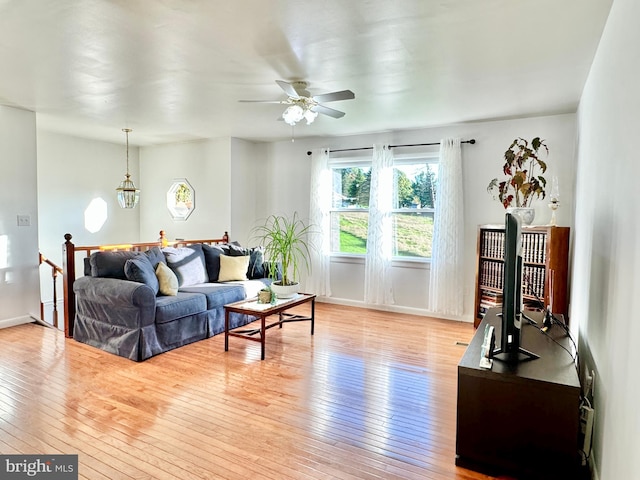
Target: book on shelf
column 489, row 299
column 533, row 280
column 534, row 247
column 492, row 244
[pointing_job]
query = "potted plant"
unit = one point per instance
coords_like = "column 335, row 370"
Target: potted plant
column 286, row 251
column 523, row 183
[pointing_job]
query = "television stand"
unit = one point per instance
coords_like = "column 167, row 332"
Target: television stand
column 529, row 319
column 519, row 419
column 522, row 355
column 526, row 317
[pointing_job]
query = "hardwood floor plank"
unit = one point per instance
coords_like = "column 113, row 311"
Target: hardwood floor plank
column 372, row 395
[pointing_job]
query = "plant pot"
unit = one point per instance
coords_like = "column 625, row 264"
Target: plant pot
column 285, row 291
column 264, row 296
column 526, row 213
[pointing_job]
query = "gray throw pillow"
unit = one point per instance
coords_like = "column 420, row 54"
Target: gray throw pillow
column 187, row 263
column 212, row 260
column 139, row 269
column 234, row 249
column 256, row 263
column 109, row 264
column 156, row 256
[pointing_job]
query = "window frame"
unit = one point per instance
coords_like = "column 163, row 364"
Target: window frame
column 399, row 160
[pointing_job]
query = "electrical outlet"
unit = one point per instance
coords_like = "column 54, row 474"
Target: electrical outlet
column 24, row 221
column 586, row 383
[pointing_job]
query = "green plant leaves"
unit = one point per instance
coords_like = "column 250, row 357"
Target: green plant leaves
column 285, row 243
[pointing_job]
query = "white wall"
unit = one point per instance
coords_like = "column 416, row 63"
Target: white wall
column 607, row 241
column 206, row 166
column 227, row 176
column 19, row 280
column 289, row 172
column 73, row 171
column 248, row 167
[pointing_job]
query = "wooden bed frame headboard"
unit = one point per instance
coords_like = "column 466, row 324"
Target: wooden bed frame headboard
column 69, row 251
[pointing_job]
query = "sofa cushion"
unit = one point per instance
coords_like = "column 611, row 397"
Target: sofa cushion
column 234, row 249
column 170, row 308
column 256, row 263
column 139, row 269
column 252, row 287
column 167, row 280
column 233, row 268
column 110, row 264
column 212, row 260
column 156, row 256
column 218, row 295
column 187, row 263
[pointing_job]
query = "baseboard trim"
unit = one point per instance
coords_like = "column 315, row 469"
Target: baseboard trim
column 12, row 322
column 392, row 308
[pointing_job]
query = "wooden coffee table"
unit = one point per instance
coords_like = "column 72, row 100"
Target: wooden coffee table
column 264, row 310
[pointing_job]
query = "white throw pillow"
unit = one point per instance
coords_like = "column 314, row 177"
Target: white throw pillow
column 233, row 268
column 167, row 280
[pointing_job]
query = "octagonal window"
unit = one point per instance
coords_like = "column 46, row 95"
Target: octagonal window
column 181, row 199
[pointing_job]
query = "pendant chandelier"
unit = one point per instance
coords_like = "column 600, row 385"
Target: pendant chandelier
column 128, row 194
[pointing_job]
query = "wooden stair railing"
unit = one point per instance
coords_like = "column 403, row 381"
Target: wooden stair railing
column 69, row 251
column 55, row 270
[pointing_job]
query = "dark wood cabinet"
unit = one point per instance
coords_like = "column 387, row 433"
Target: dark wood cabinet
column 545, row 268
column 520, row 419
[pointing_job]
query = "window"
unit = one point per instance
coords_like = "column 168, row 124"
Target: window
column 180, row 199
column 415, row 183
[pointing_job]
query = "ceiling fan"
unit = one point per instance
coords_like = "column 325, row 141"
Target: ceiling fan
column 303, row 105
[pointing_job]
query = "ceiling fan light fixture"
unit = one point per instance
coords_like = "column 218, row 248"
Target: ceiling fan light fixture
column 128, row 194
column 301, row 104
column 293, row 114
column 310, row 116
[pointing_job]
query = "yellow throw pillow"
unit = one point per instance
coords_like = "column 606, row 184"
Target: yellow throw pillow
column 167, row 280
column 233, row 268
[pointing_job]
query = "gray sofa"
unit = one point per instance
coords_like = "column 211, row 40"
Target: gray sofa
column 122, row 306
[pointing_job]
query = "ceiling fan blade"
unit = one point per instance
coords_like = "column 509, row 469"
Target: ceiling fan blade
column 288, row 89
column 335, row 96
column 262, row 101
column 327, row 111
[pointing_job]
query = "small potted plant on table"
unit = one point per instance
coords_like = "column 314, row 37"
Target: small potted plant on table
column 522, row 183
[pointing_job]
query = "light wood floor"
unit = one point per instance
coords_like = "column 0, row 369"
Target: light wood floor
column 371, row 395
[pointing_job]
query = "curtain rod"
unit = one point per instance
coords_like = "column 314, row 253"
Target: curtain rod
column 472, row 141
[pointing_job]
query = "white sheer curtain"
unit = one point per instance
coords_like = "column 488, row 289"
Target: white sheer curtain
column 377, row 278
column 445, row 285
column 318, row 281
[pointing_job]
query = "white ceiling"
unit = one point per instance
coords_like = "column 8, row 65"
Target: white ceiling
column 174, row 70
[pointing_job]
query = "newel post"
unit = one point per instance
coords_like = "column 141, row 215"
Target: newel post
column 163, row 239
column 68, row 277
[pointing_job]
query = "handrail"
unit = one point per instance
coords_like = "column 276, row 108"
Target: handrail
column 55, row 270
column 69, row 251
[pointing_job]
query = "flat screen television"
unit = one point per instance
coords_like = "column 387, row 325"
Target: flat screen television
column 512, row 315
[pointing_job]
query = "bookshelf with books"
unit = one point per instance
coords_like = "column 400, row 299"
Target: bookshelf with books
column 545, row 251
